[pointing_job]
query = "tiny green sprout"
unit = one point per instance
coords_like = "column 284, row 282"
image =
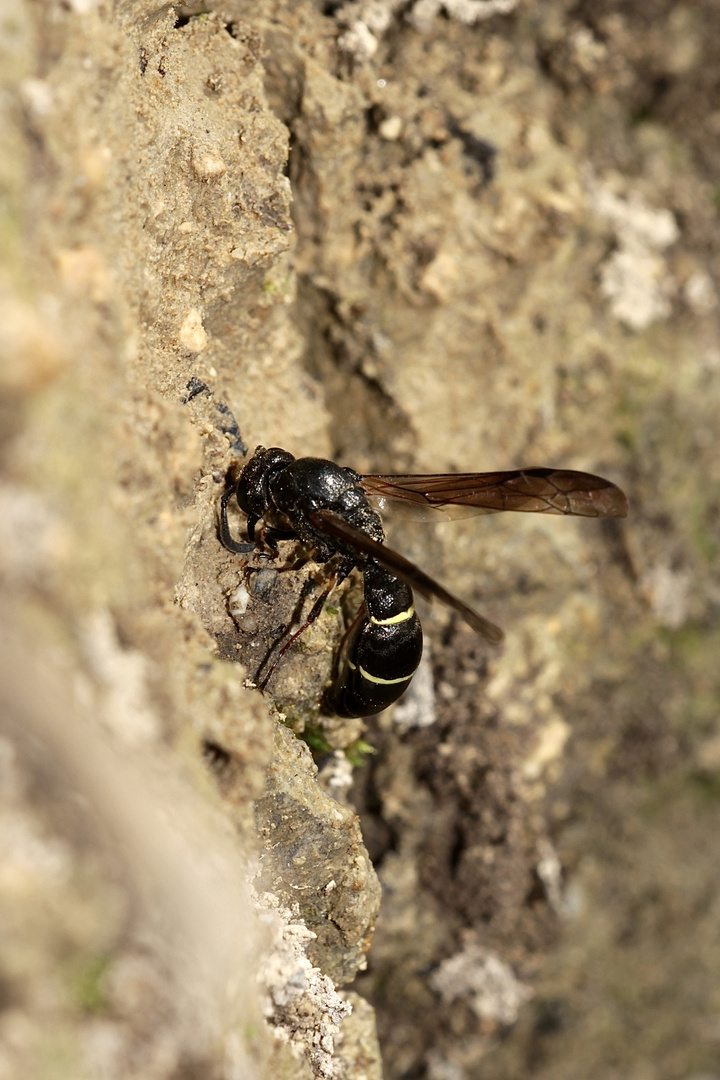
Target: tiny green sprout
column 315, row 740
column 358, row 751
column 332, row 610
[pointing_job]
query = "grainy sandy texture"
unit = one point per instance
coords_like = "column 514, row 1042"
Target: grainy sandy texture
column 412, row 238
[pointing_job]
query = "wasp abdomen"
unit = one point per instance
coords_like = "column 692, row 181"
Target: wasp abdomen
column 382, row 651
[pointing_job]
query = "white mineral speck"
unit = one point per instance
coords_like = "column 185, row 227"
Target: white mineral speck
column 192, row 334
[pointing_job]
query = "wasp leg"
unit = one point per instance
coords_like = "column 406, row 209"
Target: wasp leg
column 315, row 611
column 299, row 563
column 338, row 577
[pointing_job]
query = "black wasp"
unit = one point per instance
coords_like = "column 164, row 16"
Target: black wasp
column 333, row 510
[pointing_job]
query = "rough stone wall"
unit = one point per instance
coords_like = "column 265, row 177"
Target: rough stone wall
column 413, row 237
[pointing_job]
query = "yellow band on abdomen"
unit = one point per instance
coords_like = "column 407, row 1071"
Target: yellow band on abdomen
column 384, row 682
column 394, row 619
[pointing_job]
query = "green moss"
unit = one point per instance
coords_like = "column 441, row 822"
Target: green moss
column 357, row 752
column 86, row 982
column 703, row 533
column 705, row 787
column 316, row 741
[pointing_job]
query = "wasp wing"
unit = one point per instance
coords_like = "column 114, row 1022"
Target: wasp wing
column 339, row 529
column 538, row 491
